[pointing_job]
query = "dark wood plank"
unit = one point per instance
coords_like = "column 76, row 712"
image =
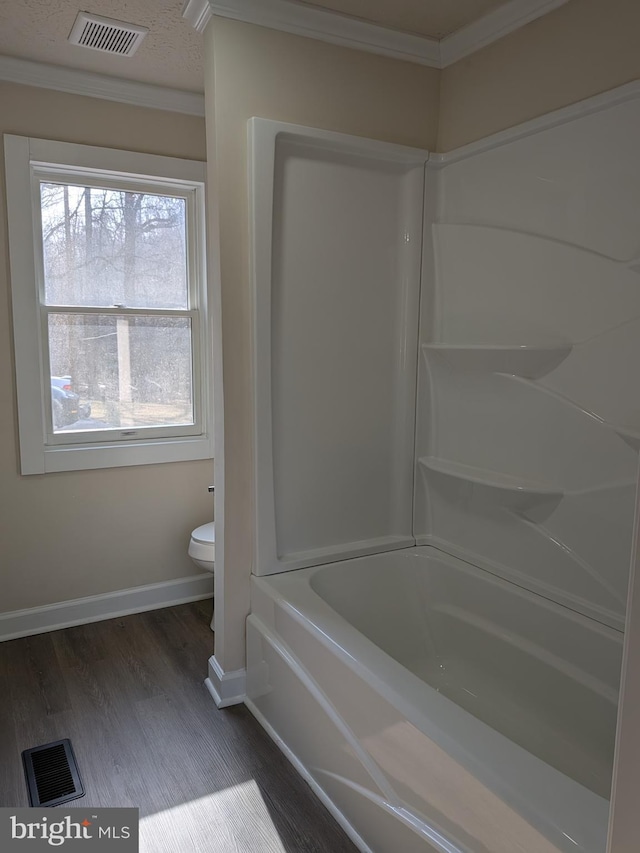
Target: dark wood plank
column 35, row 675
column 108, row 742
column 11, row 789
column 183, row 637
column 129, row 693
column 82, row 642
column 35, row 697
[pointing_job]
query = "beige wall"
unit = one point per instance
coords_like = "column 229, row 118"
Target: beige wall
column 583, row 48
column 261, row 72
column 73, row 534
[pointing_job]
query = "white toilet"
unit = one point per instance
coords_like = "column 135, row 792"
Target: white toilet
column 202, row 547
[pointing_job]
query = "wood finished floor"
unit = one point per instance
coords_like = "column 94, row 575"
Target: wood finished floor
column 129, row 693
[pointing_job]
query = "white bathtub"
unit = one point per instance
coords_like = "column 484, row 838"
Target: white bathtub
column 435, row 707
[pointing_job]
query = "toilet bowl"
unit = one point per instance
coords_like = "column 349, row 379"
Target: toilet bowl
column 202, row 547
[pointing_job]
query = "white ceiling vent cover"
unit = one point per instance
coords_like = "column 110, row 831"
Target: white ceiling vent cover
column 106, row 34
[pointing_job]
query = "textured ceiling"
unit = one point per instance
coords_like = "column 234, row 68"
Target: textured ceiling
column 434, row 18
column 170, row 55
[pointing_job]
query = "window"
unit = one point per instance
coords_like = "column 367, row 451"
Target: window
column 110, row 306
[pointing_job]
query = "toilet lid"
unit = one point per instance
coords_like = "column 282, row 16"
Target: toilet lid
column 205, row 534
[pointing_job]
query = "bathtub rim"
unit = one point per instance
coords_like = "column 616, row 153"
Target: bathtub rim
column 540, row 793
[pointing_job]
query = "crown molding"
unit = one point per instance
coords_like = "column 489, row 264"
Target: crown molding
column 493, row 26
column 76, row 82
column 198, row 13
column 314, row 22
column 319, row 23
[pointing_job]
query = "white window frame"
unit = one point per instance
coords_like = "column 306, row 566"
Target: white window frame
column 27, row 162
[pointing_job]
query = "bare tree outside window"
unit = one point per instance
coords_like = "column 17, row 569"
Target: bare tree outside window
column 120, row 330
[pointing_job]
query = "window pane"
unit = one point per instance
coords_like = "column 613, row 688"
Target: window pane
column 109, row 247
column 119, row 372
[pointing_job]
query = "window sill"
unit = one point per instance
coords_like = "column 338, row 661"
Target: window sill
column 84, row 457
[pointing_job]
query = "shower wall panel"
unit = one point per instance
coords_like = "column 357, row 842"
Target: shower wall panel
column 337, row 232
column 529, row 409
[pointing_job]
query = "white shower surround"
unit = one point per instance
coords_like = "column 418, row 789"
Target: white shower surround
column 517, row 493
column 334, row 467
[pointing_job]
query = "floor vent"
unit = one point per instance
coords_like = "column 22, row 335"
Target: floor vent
column 106, row 34
column 52, row 774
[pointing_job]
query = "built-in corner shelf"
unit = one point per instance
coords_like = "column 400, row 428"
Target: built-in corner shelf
column 512, row 489
column 527, row 360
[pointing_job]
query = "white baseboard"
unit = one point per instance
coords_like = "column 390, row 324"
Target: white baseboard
column 227, row 688
column 94, row 608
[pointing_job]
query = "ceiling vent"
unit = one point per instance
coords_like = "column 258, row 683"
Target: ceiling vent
column 106, row 34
